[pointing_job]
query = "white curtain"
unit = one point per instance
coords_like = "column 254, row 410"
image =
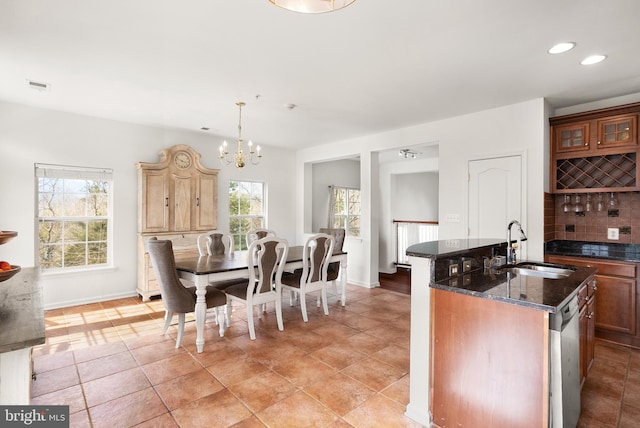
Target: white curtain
column 332, row 202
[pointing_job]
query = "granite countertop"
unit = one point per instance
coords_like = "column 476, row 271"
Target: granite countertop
column 597, row 250
column 530, row 291
column 452, row 247
column 494, row 283
column 21, row 311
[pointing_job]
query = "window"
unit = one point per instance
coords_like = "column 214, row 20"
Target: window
column 346, row 210
column 246, row 210
column 74, row 217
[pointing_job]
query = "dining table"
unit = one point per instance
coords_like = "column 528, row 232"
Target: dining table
column 203, row 270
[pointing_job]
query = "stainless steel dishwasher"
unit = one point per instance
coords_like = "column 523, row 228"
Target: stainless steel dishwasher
column 564, row 366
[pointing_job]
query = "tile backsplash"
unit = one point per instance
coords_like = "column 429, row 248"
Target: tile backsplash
column 593, row 225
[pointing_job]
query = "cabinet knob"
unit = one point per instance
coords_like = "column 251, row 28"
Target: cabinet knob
column 590, row 315
column 599, row 143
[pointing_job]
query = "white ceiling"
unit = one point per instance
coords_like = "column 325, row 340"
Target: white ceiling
column 373, row 66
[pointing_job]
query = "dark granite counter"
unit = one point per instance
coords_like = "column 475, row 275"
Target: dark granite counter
column 21, row 311
column 530, row 291
column 471, row 277
column 597, row 250
column 452, row 247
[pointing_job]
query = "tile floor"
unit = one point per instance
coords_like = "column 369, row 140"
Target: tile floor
column 110, row 364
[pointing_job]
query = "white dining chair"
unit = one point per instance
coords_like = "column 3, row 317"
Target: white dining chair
column 313, row 275
column 214, row 243
column 256, row 234
column 269, row 256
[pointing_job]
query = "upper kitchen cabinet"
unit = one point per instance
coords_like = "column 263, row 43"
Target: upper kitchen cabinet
column 177, row 194
column 595, row 151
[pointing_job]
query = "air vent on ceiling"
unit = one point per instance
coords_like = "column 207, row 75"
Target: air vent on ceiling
column 39, row 86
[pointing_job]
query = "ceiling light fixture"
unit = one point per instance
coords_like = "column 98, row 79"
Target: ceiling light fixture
column 239, row 156
column 561, row 48
column 408, row 154
column 593, row 59
column 312, row 6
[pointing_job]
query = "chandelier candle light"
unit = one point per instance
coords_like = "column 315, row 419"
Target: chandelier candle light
column 239, row 156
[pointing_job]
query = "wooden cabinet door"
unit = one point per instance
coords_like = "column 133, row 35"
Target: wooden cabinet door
column 618, row 131
column 616, row 304
column 590, row 340
column 182, row 203
column 154, row 202
column 571, row 137
column 582, row 322
column 206, row 204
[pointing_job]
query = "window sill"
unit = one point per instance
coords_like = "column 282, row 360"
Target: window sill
column 78, row 272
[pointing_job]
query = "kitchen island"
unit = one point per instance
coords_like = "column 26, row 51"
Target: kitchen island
column 481, row 346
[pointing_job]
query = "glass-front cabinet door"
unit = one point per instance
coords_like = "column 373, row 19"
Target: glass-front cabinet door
column 572, row 137
column 618, row 131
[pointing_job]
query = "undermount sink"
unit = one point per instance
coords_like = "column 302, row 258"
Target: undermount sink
column 543, row 270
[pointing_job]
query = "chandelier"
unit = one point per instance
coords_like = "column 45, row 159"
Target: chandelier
column 240, row 157
column 312, row 6
column 408, row 154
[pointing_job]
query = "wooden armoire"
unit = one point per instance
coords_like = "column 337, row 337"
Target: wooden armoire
column 177, row 200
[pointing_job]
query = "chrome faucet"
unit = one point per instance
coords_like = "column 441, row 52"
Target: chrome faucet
column 511, row 251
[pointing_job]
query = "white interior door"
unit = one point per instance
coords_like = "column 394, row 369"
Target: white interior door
column 495, row 196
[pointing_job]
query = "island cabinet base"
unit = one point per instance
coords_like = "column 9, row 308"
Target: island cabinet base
column 490, row 363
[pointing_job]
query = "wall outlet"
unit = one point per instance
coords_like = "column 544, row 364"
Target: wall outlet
column 613, row 233
column 453, row 218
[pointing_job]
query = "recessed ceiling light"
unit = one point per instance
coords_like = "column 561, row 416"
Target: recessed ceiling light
column 562, row 47
column 593, row 59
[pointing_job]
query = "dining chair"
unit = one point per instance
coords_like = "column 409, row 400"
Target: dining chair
column 176, row 298
column 215, row 243
column 312, row 277
column 269, row 256
column 256, row 234
column 334, row 267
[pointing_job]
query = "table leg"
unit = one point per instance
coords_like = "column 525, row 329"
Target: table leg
column 343, row 280
column 201, row 310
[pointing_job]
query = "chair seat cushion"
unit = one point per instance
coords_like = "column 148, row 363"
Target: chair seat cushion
column 238, row 289
column 214, row 296
column 223, row 285
column 292, row 279
column 332, row 271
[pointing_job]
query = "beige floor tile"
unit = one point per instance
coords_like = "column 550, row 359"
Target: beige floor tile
column 340, row 393
column 114, row 386
column 170, row 368
column 182, row 390
column 220, row 409
column 130, row 410
column 260, row 392
column 299, row 410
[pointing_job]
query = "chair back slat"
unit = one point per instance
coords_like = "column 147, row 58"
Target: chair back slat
column 269, row 256
column 317, row 252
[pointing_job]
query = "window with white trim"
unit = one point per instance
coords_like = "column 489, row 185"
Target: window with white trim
column 74, row 217
column 346, row 210
column 246, row 210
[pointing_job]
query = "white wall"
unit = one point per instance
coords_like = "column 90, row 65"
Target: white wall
column 343, row 173
column 415, row 196
column 31, row 135
column 518, row 128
